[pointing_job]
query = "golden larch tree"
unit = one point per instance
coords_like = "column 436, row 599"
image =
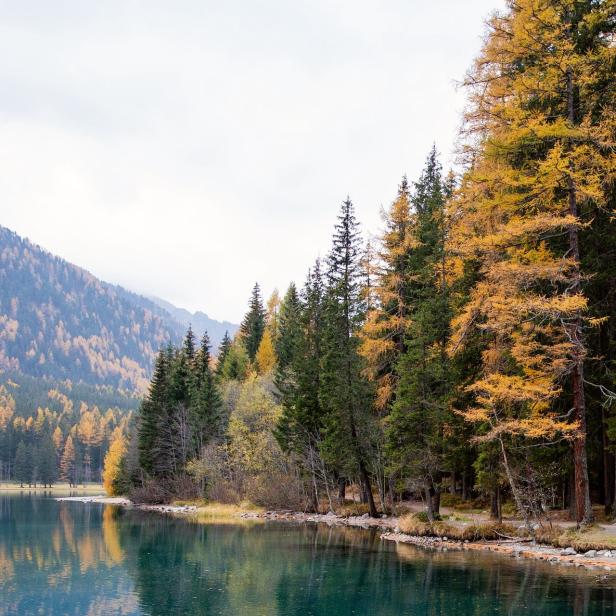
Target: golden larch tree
column 540, row 146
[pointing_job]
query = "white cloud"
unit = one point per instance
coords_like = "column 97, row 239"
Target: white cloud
column 187, row 149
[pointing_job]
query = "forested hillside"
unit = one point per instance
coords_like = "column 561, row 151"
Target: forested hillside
column 76, row 355
column 59, row 321
column 469, row 351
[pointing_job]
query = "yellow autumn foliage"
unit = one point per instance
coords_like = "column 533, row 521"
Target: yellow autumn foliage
column 529, row 160
column 113, row 459
column 266, row 355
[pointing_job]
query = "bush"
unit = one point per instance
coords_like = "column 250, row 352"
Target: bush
column 276, row 491
column 349, row 508
column 451, row 500
column 422, row 516
column 163, row 491
column 456, row 501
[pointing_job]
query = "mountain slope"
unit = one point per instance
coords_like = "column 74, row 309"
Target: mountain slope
column 59, row 322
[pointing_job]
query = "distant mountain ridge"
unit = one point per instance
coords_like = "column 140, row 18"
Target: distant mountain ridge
column 59, row 322
column 199, row 321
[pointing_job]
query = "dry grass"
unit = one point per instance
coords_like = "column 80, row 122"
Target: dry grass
column 582, row 540
column 413, row 525
column 223, row 513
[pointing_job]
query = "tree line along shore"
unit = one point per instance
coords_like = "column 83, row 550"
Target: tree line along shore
column 463, row 358
column 466, row 353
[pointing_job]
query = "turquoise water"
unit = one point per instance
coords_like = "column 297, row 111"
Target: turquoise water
column 74, row 558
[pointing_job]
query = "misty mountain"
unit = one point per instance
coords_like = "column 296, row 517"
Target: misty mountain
column 58, row 322
column 199, row 321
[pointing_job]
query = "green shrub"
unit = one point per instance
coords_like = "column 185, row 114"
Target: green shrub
column 422, row 516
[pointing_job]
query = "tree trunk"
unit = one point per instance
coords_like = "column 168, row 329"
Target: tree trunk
column 494, row 504
column 368, row 489
column 392, row 496
column 341, row 488
column 514, row 488
column 436, row 500
column 571, row 495
column 608, row 480
column 429, row 507
column 584, row 512
column 614, row 488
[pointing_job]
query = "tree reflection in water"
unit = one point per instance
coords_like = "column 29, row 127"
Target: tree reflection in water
column 71, row 558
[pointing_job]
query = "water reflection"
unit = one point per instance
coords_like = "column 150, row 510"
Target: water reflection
column 70, row 558
column 56, row 558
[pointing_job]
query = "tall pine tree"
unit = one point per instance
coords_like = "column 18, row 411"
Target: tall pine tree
column 345, row 395
column 253, row 325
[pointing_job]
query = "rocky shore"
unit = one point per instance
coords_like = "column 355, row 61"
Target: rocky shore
column 604, row 559
column 124, row 502
column 598, row 559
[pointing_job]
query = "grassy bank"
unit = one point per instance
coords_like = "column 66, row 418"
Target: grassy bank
column 594, row 537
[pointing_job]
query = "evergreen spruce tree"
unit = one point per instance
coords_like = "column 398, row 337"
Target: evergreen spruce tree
column 21, row 470
column 289, row 337
column 253, row 325
column 419, row 413
column 189, row 345
column 206, row 405
column 299, row 429
column 34, row 455
column 345, row 396
column 223, row 351
column 152, row 412
column 48, row 465
column 67, row 462
column 237, row 363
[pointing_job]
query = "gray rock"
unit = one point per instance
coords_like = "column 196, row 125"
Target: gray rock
column 590, row 554
column 569, row 552
column 365, row 516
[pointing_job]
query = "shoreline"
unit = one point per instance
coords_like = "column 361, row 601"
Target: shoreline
column 527, row 549
column 125, row 502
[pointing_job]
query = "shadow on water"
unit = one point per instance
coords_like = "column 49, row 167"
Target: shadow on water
column 71, row 558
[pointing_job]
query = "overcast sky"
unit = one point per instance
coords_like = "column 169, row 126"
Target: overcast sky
column 189, row 148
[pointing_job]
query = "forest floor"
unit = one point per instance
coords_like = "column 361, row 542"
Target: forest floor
column 467, row 530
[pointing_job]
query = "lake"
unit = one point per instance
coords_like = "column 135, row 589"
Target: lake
column 75, row 558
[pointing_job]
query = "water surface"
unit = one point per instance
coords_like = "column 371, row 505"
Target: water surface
column 74, row 558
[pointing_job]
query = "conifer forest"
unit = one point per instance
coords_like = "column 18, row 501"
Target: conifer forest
column 467, row 352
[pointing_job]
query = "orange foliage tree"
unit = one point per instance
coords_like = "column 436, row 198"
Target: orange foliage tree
column 540, row 142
